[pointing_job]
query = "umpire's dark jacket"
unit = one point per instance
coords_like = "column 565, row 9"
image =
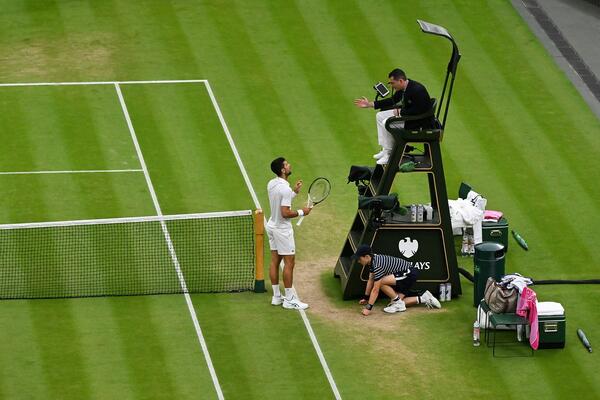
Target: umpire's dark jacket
column 414, row 100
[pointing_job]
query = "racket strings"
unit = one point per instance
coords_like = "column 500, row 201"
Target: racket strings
column 319, row 190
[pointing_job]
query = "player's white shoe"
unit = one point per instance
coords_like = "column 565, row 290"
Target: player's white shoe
column 430, row 301
column 395, row 306
column 294, row 304
column 277, row 300
column 379, row 155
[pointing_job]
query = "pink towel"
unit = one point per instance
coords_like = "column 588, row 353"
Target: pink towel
column 527, row 306
column 490, row 215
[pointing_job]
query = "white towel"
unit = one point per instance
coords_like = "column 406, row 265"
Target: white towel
column 516, row 281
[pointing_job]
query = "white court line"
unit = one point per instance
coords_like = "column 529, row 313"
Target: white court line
column 17, row 84
column 188, row 300
column 83, row 171
column 307, row 324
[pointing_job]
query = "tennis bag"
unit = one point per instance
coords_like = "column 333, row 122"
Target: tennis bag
column 389, row 202
column 500, row 299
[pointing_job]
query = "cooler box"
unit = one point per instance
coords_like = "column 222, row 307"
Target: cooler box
column 496, row 232
column 551, row 324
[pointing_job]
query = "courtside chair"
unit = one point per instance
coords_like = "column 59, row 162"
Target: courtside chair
column 492, row 320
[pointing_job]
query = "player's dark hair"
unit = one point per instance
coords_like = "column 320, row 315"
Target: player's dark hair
column 277, row 165
column 397, row 74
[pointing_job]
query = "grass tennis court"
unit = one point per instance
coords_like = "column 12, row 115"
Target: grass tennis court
column 284, row 75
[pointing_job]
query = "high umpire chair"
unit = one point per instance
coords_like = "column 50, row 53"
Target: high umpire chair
column 385, row 231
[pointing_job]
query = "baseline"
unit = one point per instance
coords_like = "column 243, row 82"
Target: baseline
column 84, row 171
column 18, row 84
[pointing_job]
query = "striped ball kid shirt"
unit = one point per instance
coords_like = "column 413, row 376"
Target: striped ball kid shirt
column 382, row 265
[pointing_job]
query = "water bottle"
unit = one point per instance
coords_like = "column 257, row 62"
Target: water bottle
column 428, row 211
column 419, row 213
column 476, row 334
column 413, row 213
column 448, row 291
column 442, row 292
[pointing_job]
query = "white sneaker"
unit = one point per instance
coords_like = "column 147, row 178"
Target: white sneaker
column 430, row 301
column 379, row 155
column 395, row 306
column 464, row 249
column 384, row 159
column 294, row 304
column 277, row 300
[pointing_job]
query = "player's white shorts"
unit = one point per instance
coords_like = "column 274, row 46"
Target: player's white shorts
column 282, row 241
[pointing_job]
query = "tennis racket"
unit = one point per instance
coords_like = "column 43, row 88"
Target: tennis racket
column 317, row 192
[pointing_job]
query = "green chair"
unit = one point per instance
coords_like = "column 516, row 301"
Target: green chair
column 500, row 319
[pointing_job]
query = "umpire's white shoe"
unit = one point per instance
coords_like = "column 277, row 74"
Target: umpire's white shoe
column 395, row 306
column 430, row 301
column 384, row 159
column 379, row 155
column 277, row 300
column 294, row 304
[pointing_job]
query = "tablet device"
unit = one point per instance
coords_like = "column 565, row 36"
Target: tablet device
column 381, row 89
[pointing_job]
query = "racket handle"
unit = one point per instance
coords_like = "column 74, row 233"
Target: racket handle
column 300, row 221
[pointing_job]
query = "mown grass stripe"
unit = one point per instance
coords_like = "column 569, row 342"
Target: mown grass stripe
column 104, row 355
column 59, row 341
column 248, row 128
column 25, row 153
column 368, row 46
column 21, row 370
column 138, row 336
column 557, row 129
column 298, row 76
column 274, row 363
column 525, row 186
column 255, row 83
column 171, row 186
column 187, row 150
column 321, row 82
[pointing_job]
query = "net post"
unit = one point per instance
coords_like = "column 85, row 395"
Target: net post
column 259, row 235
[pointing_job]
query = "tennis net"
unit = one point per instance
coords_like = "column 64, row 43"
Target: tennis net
column 193, row 253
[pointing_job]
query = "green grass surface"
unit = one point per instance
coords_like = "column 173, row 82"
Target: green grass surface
column 128, row 347
column 285, row 74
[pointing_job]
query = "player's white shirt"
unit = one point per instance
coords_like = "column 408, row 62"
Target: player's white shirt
column 280, row 195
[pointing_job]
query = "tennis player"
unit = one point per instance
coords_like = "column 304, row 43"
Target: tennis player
column 394, row 277
column 281, row 235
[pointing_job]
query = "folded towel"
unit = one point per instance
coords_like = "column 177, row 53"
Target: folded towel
column 550, row 308
column 490, row 215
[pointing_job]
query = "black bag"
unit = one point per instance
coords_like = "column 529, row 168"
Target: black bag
column 359, row 173
column 389, row 202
